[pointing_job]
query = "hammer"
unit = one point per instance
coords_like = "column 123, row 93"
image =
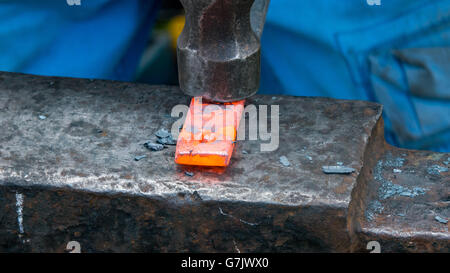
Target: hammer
column 219, row 49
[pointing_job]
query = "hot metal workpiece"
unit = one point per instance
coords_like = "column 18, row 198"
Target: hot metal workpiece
column 73, row 176
column 209, row 133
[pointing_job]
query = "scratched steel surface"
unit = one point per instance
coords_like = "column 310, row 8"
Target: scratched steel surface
column 94, row 129
column 407, row 202
column 68, row 172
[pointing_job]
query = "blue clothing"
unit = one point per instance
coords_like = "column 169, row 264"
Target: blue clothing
column 97, row 39
column 397, row 54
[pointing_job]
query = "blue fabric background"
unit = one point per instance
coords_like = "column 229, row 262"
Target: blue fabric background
column 397, row 54
column 98, row 39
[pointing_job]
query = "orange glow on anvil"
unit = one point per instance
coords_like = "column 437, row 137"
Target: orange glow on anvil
column 209, row 133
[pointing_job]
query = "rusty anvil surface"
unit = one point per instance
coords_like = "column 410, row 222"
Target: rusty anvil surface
column 76, row 174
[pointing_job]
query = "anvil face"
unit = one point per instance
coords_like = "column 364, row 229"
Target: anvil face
column 209, row 133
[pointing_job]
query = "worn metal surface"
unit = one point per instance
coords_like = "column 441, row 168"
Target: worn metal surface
column 94, row 130
column 402, row 198
column 219, row 48
column 77, row 178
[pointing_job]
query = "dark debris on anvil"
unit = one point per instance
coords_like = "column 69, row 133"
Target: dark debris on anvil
column 285, row 161
column 441, row 220
column 167, row 140
column 163, row 133
column 156, row 147
column 140, row 157
column 337, row 170
column 164, row 138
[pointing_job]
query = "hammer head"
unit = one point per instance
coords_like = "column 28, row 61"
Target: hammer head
column 219, row 48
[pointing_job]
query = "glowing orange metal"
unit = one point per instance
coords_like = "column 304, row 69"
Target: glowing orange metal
column 209, row 133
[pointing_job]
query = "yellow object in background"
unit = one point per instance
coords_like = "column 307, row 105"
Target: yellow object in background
column 175, row 28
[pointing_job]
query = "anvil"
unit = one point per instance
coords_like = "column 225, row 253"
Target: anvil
column 72, row 177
